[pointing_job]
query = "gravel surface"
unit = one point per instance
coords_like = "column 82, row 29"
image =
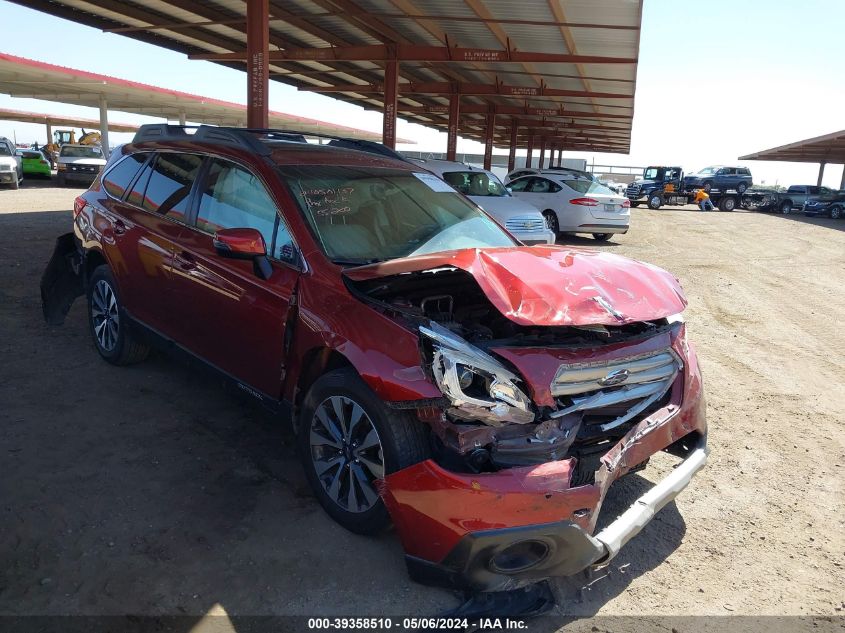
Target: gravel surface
column 150, row 490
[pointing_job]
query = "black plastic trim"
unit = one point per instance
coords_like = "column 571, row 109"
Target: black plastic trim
column 468, row 566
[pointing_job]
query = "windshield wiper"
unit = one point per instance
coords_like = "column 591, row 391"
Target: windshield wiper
column 357, row 262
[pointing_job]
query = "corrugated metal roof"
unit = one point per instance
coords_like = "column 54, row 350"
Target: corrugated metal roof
column 593, row 28
column 20, row 77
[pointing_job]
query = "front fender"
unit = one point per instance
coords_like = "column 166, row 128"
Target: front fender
column 384, row 353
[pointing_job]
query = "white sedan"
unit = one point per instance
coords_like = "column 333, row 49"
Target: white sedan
column 519, row 217
column 575, row 205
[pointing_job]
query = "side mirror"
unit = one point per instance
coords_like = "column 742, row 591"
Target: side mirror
column 244, row 244
column 239, row 243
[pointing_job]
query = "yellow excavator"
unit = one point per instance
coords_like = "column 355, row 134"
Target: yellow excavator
column 68, row 137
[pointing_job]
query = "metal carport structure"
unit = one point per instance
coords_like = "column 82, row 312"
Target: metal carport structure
column 829, row 148
column 541, row 74
column 21, row 77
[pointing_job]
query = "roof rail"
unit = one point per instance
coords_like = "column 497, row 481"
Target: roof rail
column 251, row 138
column 201, row 133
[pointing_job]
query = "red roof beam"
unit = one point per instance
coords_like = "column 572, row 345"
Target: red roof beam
column 418, row 53
column 470, row 89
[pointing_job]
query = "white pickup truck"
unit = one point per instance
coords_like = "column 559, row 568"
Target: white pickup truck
column 11, row 168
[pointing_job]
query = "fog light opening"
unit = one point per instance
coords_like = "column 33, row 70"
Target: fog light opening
column 520, row 556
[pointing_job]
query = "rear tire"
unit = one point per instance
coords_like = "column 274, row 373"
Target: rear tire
column 552, row 222
column 109, row 322
column 602, row 237
column 344, row 454
column 634, row 204
column 60, row 180
column 741, row 187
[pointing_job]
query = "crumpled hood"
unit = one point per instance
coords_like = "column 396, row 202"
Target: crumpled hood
column 554, row 285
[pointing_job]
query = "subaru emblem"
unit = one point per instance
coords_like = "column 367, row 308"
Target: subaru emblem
column 616, row 377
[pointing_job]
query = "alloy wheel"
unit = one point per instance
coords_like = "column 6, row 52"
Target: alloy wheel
column 105, row 315
column 347, row 454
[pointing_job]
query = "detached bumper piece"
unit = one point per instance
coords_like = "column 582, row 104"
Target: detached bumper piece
column 507, row 558
column 61, row 282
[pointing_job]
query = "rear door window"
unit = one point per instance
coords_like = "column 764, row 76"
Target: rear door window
column 117, row 180
column 170, row 183
column 519, row 185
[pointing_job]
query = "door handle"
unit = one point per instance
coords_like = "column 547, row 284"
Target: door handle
column 119, row 227
column 186, row 261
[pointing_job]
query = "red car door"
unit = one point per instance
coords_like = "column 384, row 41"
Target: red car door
column 225, row 313
column 145, row 225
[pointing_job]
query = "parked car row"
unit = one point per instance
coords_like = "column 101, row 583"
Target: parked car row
column 812, row 200
column 76, row 164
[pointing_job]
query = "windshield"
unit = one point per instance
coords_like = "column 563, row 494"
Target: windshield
column 361, row 216
column 708, row 171
column 476, row 183
column 81, row 152
column 4, row 150
column 651, row 173
column 588, row 186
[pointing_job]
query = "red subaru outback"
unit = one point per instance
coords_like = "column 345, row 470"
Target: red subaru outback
column 481, row 394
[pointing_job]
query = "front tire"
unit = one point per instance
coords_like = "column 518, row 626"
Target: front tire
column 786, row 207
column 16, row 184
column 707, row 187
column 836, row 213
column 109, row 323
column 552, row 222
column 348, row 439
column 60, row 180
column 655, row 201
column 602, row 237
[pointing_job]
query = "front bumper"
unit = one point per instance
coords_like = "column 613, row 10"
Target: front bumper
column 479, row 531
column 78, row 176
column 534, row 237
column 562, row 548
column 8, row 177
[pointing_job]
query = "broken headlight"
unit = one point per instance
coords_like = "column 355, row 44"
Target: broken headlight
column 478, row 386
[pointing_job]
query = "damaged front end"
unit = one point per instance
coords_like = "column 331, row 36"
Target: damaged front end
column 541, row 416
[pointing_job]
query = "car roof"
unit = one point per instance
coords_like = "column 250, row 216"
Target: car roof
column 441, row 167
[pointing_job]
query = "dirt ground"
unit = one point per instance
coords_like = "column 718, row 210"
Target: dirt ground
column 150, row 490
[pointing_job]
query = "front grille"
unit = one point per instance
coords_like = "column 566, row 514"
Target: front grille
column 525, row 224
column 613, row 393
column 632, row 192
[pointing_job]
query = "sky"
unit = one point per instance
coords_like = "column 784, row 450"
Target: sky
column 717, row 79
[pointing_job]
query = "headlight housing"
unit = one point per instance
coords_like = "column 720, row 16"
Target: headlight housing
column 478, row 386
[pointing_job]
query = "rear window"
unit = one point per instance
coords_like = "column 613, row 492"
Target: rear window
column 588, row 186
column 475, row 183
column 35, row 155
column 81, row 152
column 118, row 178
